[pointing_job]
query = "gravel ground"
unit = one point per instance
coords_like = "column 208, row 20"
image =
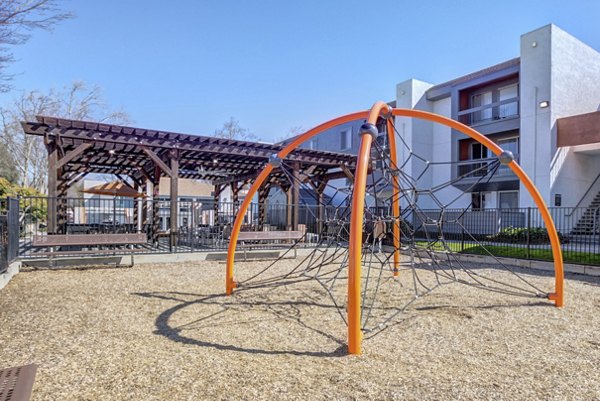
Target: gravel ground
column 165, row 332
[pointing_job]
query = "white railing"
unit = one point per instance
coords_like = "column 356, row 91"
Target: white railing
column 482, row 167
column 508, row 108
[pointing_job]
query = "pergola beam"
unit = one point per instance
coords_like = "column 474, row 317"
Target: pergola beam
column 73, row 154
column 158, row 161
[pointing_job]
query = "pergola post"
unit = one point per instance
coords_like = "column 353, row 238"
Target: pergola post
column 52, row 187
column 174, row 193
column 320, row 190
column 145, row 202
column 289, row 211
column 263, row 193
column 137, row 209
column 216, row 203
column 235, row 189
column 155, row 204
column 296, row 196
column 61, row 193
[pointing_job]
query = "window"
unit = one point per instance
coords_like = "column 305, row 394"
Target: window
column 508, row 199
column 508, row 109
column 478, row 100
column 557, row 200
column 478, row 151
column 496, row 101
column 313, row 144
column 477, row 200
column 346, row 139
column 511, row 144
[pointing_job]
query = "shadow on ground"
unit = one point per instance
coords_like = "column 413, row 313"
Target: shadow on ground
column 284, row 310
column 174, row 333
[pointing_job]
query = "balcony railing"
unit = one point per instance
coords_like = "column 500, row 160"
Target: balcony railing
column 503, row 109
column 482, row 167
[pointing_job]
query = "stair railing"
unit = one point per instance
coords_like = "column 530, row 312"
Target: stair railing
column 584, row 195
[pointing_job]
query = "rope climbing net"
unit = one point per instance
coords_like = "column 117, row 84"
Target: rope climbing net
column 406, row 250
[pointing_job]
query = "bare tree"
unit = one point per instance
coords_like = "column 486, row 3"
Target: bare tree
column 78, row 101
column 18, row 18
column 292, row 132
column 232, row 130
column 7, row 166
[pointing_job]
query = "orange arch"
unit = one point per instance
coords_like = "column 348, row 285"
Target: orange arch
column 558, row 295
column 355, row 246
column 237, row 225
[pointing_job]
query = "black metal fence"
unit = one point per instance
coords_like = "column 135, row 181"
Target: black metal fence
column 204, row 225
column 9, row 232
column 201, row 225
column 514, row 233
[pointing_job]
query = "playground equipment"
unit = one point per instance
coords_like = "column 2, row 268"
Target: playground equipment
column 383, row 195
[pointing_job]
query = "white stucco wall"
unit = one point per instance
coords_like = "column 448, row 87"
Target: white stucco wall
column 575, row 90
column 418, row 134
column 558, row 68
column 535, row 129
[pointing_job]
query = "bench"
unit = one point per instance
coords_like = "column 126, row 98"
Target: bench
column 87, row 240
column 257, row 236
column 16, row 383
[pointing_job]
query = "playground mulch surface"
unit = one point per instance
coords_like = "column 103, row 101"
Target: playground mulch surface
column 166, row 332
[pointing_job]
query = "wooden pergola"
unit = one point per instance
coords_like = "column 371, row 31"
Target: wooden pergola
column 78, row 148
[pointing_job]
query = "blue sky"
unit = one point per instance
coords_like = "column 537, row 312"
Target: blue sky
column 188, row 66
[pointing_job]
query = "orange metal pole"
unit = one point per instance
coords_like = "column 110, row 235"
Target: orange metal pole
column 368, row 132
column 355, row 245
column 237, row 225
column 395, row 194
column 558, row 295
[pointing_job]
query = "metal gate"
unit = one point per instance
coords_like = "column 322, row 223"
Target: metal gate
column 9, row 232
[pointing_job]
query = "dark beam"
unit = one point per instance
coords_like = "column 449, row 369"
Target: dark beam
column 124, row 181
column 73, row 154
column 157, row 160
column 347, row 172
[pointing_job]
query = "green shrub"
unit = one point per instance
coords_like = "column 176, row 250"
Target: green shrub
column 537, row 235
column 37, row 210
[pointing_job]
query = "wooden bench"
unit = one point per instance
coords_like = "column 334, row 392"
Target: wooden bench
column 257, row 236
column 88, row 241
column 16, row 383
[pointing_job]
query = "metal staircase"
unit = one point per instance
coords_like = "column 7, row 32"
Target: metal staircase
column 589, row 223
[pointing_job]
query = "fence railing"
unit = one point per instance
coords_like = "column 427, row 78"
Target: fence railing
column 205, row 225
column 508, row 108
column 514, row 233
column 201, row 225
column 9, row 232
column 476, row 168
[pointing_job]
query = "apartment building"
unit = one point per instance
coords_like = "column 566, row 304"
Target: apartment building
column 543, row 106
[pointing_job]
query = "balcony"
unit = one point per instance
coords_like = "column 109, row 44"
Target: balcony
column 491, row 112
column 475, row 169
